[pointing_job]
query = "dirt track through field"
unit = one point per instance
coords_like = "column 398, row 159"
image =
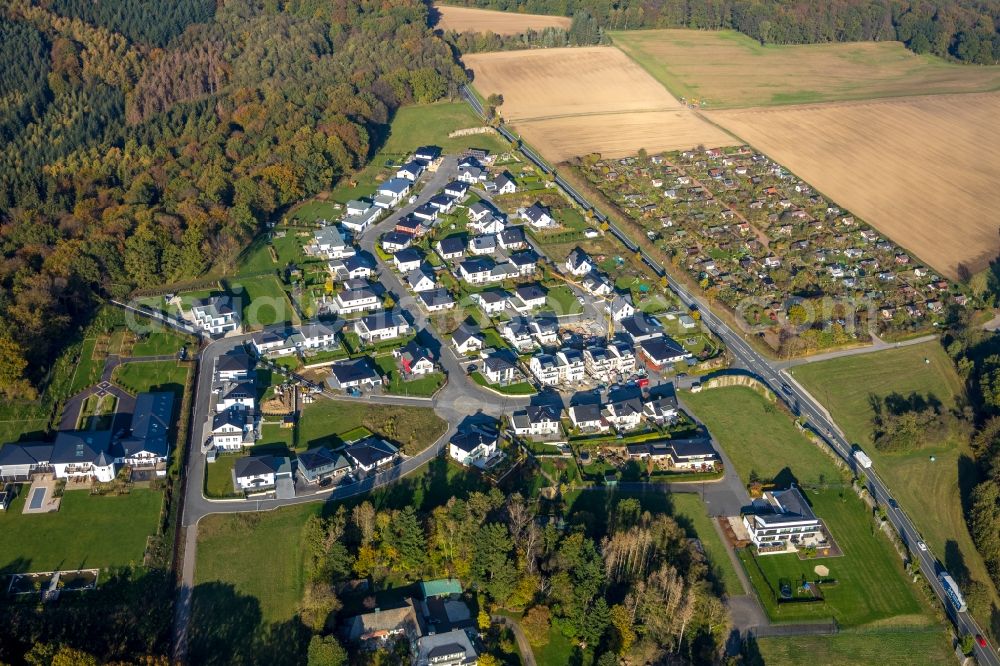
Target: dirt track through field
column 922, row 170
column 570, row 102
column 468, row 19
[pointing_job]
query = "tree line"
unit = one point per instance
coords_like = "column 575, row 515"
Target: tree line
column 636, row 589
column 126, row 167
column 966, row 30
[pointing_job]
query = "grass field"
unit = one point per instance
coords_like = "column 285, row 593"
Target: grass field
column 264, row 301
column 689, row 509
column 726, row 69
column 88, row 370
column 469, row 19
column 902, row 165
column 143, row 376
column 549, row 97
column 420, row 124
column 423, row 386
column 219, row 477
column 288, row 248
column 757, row 436
column 87, row 532
column 415, row 428
column 889, row 647
column 930, row 491
column 519, row 388
column 871, row 584
column 160, row 342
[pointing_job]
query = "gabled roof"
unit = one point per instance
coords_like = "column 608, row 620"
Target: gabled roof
column 452, row 245
column 354, row 370
column 407, row 255
column 371, row 450
column 586, row 413
column 413, row 351
column 25, row 453
column 512, row 235
column 463, row 333
column 382, row 320
column 692, row 447
column 235, row 360
column 396, row 238
column 151, row 421
column 395, row 185
column 456, row 186
column 490, row 296
column 320, row 457
column 234, row 416
column 414, row 277
column 523, row 258
column 577, row 258
column 536, row 211
column 469, row 440
column 440, row 587
column 530, row 292
column 433, row 297
column 353, row 295
column 503, row 179
column 258, row 465
column 477, row 265
column 80, row 446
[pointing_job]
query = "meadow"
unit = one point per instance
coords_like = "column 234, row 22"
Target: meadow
column 928, row 483
column 888, row 647
column 470, row 19
column 549, row 97
column 920, row 169
column 415, row 428
column 726, row 69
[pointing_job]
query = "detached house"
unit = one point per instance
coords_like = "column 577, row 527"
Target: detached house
column 386, row 325
column 500, row 369
column 524, row 262
column 82, row 454
column 414, row 359
column 538, row 216
column 492, row 301
column 621, row 307
column 545, row 368
column 355, row 267
column 436, row 300
column 476, row 445
column 321, row 463
column 394, row 241
column 571, row 365
column 661, row 410
column 535, row 421
column 371, row 453
column 216, row 315
column 466, row 340
column 489, row 225
column 482, row 245
column 391, row 192
column 662, row 351
column 410, row 171
column 517, row 332
column 407, row 260
column 356, row 300
column 456, row 189
column 260, row 472
column 578, row 263
column 328, row 242
column 452, row 247
column 546, row 331
column 505, row 183
column 528, row 297
column 476, row 271
column 355, row 373
column 235, row 394
column 512, row 238
column 588, row 418
column 233, row 429
column 234, row 365
column 624, row 414
column 417, row 280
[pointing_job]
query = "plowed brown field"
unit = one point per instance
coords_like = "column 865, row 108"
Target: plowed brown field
column 468, row 19
column 922, row 170
column 570, row 102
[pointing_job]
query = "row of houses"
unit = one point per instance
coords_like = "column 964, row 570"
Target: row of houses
column 234, row 418
column 98, row 454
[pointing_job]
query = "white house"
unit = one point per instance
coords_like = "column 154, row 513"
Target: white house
column 524, row 262
column 386, row 325
column 545, row 331
column 588, row 418
column 621, row 307
column 456, row 189
column 371, row 453
column 418, row 281
column 663, row 351
column 393, row 191
column 82, row 454
column 473, row 446
column 407, row 260
column 427, row 213
column 479, row 210
column 443, row 203
column 596, row 284
column 482, row 245
column 414, row 359
column 545, row 368
column 578, row 263
column 260, row 472
column 427, row 154
column 410, row 171
column 535, row 421
column 436, row 300
column 356, row 267
column 623, row 414
column 782, row 521
column 355, row 373
column 216, row 315
column 492, row 301
column 466, row 341
column 518, row 333
column 235, row 394
column 489, row 224
column 499, row 369
column 476, row 270
column 571, row 365
column 358, row 223
column 233, row 429
column 328, row 242
column 234, row 365
column 356, row 300
column 394, row 241
column 452, row 247
column 538, row 216
column 528, row 297
column 451, row 648
column 511, row 239
column 505, row 184
column 471, row 174
column 661, row 410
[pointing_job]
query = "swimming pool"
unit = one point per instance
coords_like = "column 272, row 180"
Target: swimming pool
column 36, row 498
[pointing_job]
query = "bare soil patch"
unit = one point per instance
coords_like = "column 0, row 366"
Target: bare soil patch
column 468, row 19
column 922, row 170
column 570, row 102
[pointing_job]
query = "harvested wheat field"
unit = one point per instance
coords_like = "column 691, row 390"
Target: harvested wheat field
column 468, row 19
column 570, row 102
column 922, row 170
column 725, row 69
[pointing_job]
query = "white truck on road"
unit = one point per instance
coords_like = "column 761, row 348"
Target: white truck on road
column 862, row 458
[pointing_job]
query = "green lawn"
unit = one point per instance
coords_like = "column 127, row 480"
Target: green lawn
column 159, row 343
column 140, row 376
column 13, row 429
column 520, row 388
column 689, row 509
column 219, row 477
column 257, row 257
column 871, row 584
column 264, row 302
column 758, row 436
column 97, row 412
column 88, row 370
column 563, row 301
column 88, row 531
column 930, row 491
column 423, row 387
column 315, row 210
column 415, row 428
column 887, row 647
column 417, row 125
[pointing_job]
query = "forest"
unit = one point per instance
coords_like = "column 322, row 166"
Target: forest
column 623, row 583
column 128, row 166
column 966, row 30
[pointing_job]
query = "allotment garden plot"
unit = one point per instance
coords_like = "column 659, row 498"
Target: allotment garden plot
column 550, row 97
